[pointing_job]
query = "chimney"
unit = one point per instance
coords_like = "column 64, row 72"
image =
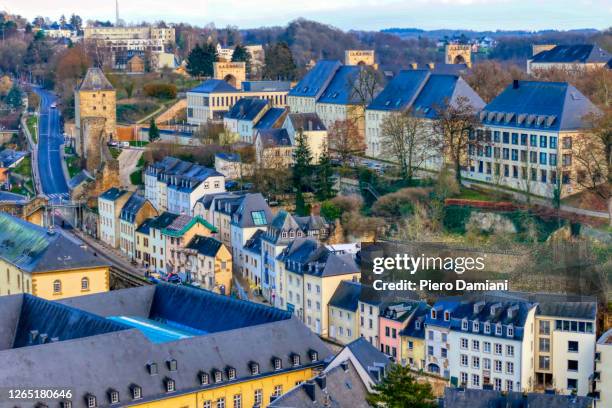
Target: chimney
column 431, row 65
column 322, row 381
column 478, row 306
column 43, row 338
column 310, row 388
column 414, row 65
column 515, row 84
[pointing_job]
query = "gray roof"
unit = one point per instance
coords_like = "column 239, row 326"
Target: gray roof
column 35, row 249
column 238, row 333
column 475, row 398
column 212, row 86
column 266, row 86
column 555, row 304
column 113, row 194
column 254, row 243
column 274, row 137
column 131, row 207
column 314, row 83
column 9, row 156
column 306, row 121
column 246, row 109
column 6, row 197
column 206, row 246
column 346, row 296
column 305, row 255
column 370, row 358
column 253, row 211
column 179, row 174
column 95, row 81
column 339, row 387
column 577, row 53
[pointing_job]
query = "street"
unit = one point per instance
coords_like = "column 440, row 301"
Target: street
column 50, row 141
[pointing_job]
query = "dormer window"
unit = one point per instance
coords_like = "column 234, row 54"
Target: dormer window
column 417, row 325
column 254, row 368
column 66, row 404
column 464, row 324
column 284, row 234
column 231, row 373
column 172, row 365
column 152, row 368
column 113, row 396
column 91, row 401
column 314, row 356
column 204, row 378
column 498, row 329
column 434, row 314
column 476, row 326
column 292, row 234
column 278, row 363
column 487, row 328
column 510, row 331
column 136, row 391
column 170, row 385
column 446, row 316
column 218, row 377
column 295, row 360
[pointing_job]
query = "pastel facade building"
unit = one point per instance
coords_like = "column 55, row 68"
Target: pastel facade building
column 207, row 263
column 392, row 321
column 242, row 117
column 529, row 137
column 344, row 312
column 303, row 97
column 313, row 130
column 135, row 211
column 413, row 339
column 178, row 233
column 110, row 204
column 273, row 148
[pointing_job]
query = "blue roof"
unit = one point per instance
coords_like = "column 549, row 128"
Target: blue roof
column 274, row 137
column 400, row 91
column 269, row 119
column 346, row 296
column 112, row 194
column 340, row 89
column 213, row 85
column 316, row 80
column 233, row 157
column 8, row 157
column 438, row 91
column 246, row 109
column 419, row 317
column 578, row 53
column 266, row 86
column 539, row 105
column 131, row 207
column 5, row 196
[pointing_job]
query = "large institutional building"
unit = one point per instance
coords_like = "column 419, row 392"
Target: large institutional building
column 145, row 38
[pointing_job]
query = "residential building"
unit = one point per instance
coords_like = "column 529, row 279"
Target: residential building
column 208, row 207
column 530, row 133
column 603, row 370
column 303, row 97
column 421, row 92
column 272, row 119
column 393, row 319
column 222, row 209
column 175, row 185
column 210, row 100
column 207, row 263
column 313, row 130
column 144, row 249
column 273, row 148
column 45, row 263
column 231, row 166
column 307, row 275
column 251, row 262
column 485, row 398
column 134, row 212
column 223, row 355
column 240, row 120
column 157, row 241
column 344, row 313
column 413, row 339
column 372, row 366
column 9, row 159
column 110, row 204
column 178, row 233
column 569, row 58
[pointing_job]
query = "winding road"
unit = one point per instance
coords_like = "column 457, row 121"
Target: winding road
column 50, row 142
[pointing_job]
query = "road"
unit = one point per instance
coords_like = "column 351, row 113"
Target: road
column 50, row 142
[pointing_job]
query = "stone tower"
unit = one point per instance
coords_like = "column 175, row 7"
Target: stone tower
column 234, row 73
column 458, row 54
column 94, row 98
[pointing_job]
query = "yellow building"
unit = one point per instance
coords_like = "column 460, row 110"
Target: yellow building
column 46, row 263
column 143, row 247
column 178, row 233
column 412, row 337
column 218, row 351
column 360, row 57
column 133, row 213
column 458, row 54
column 343, row 312
column 94, row 98
column 207, row 263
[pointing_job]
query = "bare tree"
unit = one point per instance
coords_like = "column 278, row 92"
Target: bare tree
column 344, row 139
column 405, row 138
column 363, row 87
column 454, row 124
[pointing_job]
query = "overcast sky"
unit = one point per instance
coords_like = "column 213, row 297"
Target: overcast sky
column 346, row 14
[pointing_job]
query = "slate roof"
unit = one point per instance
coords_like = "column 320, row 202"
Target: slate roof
column 180, row 175
column 341, row 88
column 212, row 86
column 316, row 80
column 266, row 86
column 539, row 105
column 578, row 53
column 423, row 91
column 341, row 387
column 253, row 245
column 475, row 398
column 183, row 223
column 163, row 220
column 145, row 226
column 246, row 109
column 370, row 358
column 305, row 255
column 274, row 137
column 416, row 327
column 95, row 81
column 131, row 207
column 232, row 157
column 113, row 194
column 346, row 296
column 400, row 311
column 8, row 157
column 306, row 121
column 34, row 249
column 238, row 333
column 206, row 246
column 7, row 197
column 81, row 177
column 248, row 212
column 552, row 304
column 381, row 299
column 271, row 118
column 310, row 222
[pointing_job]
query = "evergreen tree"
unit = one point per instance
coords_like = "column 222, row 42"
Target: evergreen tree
column 301, row 170
column 153, row 131
column 279, row 62
column 241, row 54
column 200, row 60
column 13, row 99
column 324, row 182
column 400, row 389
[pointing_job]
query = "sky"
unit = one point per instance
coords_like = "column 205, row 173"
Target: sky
column 345, row 14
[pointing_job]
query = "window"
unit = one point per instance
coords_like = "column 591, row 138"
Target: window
column 523, row 139
column 238, row 401
column 85, row 284
column 204, row 379
column 498, row 348
column 430, row 351
column 553, row 142
column 475, row 380
column 254, row 368
column 510, row 331
column 544, row 345
column 295, row 360
column 218, row 376
column 498, row 366
column 207, row 404
column 509, row 385
column 278, row 390
column 572, row 346
column 475, row 345
column 486, row 363
column 231, row 373
column 543, row 140
column 258, row 397
column 498, row 330
column 278, row 364
column 464, row 343
column 170, row 385
column 572, row 384
column 533, row 140
column 509, row 367
column 552, row 159
column 497, row 384
column 476, row 362
column 542, row 158
column 446, row 316
column 572, row 365
column 544, row 362
column 464, row 360
column 486, row 347
column 57, row 286
column 91, row 401
column 220, row 403
column 506, row 153
column 431, row 335
column 464, row 378
column 487, row 328
column 136, row 392
column 113, row 396
column 515, row 155
column 464, row 325
column 314, row 356
column 506, row 137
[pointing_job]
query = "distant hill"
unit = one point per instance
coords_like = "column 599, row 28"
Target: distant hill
column 441, row 33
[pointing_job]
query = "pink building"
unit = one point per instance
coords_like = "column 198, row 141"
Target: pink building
column 393, row 319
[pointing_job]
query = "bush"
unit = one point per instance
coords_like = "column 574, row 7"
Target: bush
column 455, row 218
column 160, row 91
column 348, row 203
column 330, row 211
column 400, row 203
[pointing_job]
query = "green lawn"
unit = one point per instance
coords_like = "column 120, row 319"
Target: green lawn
column 73, row 163
column 115, row 152
column 469, row 194
column 136, row 177
column 133, row 112
column 32, row 122
column 24, row 168
column 138, row 143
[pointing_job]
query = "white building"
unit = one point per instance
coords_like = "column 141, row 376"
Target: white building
column 313, row 130
column 110, row 204
column 603, row 373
